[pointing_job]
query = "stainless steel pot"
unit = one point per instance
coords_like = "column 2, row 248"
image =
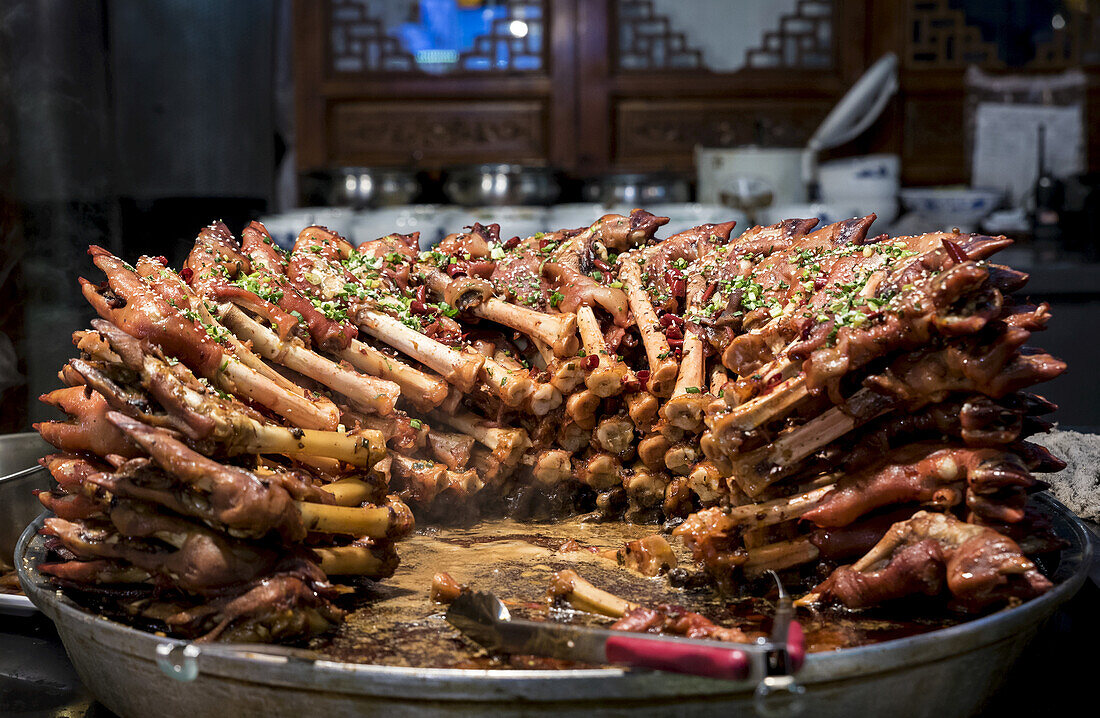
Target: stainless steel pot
column 636, row 189
column 948, row 672
column 361, row 187
column 20, row 475
column 495, row 185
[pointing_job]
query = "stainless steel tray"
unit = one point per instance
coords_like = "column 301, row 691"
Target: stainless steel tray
column 20, row 475
column 948, row 672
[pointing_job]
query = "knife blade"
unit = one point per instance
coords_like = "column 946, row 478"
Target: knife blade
column 483, row 618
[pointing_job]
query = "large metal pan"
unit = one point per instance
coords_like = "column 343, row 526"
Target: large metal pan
column 20, row 475
column 948, row 672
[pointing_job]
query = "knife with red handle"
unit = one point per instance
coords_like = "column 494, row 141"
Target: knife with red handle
column 484, row 619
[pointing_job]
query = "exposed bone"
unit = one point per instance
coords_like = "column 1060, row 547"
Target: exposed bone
column 489, row 466
column 423, row 480
column 607, row 378
column 685, row 408
column 94, row 345
column 645, row 487
column 779, row 555
column 758, row 469
column 573, row 437
column 705, row 481
column 542, row 397
column 651, row 450
column 458, row 368
column 600, row 471
column 553, row 467
column 580, row 594
column 581, row 408
column 669, row 431
column 662, row 364
column 356, row 559
column 237, row 431
column 566, row 374
column 149, row 317
column 451, row 448
column 512, row 385
column 365, row 392
column 616, row 434
column 642, row 407
column 944, row 529
column 785, row 509
column 925, row 525
column 714, row 453
column 373, row 522
column 425, row 391
column 453, row 401
column 510, row 442
column 463, row 483
column 363, row 448
column 559, row 331
column 718, row 378
column 761, row 409
column 159, row 276
column 237, row 379
column 755, row 537
column 350, row 492
column 681, row 458
column 648, row 556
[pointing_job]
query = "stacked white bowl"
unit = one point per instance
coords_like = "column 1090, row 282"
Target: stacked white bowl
column 431, row 220
column 868, row 184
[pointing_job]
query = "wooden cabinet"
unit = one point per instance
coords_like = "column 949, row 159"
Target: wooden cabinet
column 385, row 110
column 591, row 86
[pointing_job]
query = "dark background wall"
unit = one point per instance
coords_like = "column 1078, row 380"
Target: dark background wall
column 130, row 125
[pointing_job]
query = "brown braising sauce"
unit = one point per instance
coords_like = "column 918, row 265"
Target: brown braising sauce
column 396, row 624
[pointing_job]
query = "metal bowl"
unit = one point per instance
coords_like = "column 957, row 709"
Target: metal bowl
column 20, row 475
column 494, row 185
column 361, row 187
column 948, row 672
column 636, row 189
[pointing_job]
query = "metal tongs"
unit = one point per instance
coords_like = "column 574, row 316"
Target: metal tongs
column 770, row 662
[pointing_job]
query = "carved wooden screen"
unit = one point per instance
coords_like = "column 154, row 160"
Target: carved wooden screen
column 609, row 84
column 367, row 96
column 936, row 40
column 653, row 90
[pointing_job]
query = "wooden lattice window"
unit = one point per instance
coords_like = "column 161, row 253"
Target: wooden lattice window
column 404, row 36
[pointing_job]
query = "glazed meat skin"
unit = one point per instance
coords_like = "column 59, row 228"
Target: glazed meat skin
column 979, row 567
column 780, row 398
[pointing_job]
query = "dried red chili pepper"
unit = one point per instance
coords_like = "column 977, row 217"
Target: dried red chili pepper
column 711, row 289
column 957, row 253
